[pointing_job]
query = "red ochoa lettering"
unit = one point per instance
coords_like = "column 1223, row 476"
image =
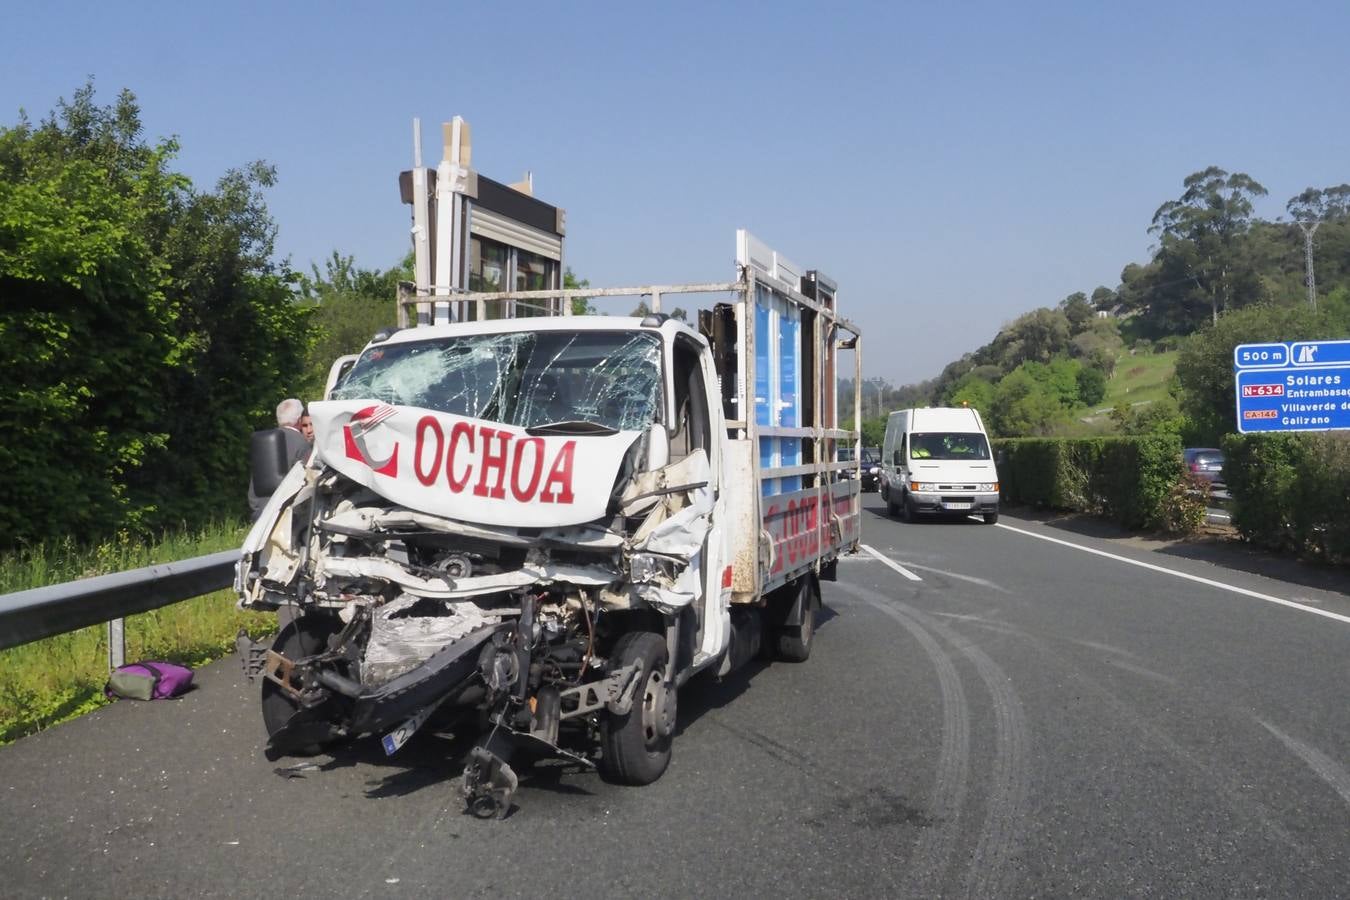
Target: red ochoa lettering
column 492, row 461
column 465, row 431
column 561, row 476
column 527, row 493
column 425, row 424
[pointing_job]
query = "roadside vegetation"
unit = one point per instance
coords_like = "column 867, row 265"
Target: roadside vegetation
column 56, row 679
column 1153, row 357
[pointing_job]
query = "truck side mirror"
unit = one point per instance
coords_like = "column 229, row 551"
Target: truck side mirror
column 267, row 460
column 1001, row 457
column 895, row 459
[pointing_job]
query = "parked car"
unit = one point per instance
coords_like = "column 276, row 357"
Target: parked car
column 871, row 466
column 1204, row 462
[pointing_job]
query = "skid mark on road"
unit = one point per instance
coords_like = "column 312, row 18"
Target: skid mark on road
column 1326, row 768
column 933, row 852
column 1140, row 670
column 990, row 872
column 957, row 576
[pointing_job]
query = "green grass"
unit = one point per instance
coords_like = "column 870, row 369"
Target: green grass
column 55, row 679
column 1139, row 379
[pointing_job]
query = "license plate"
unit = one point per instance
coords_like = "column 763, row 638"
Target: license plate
column 950, row 505
column 395, row 739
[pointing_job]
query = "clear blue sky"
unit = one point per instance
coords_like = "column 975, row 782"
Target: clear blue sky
column 952, row 165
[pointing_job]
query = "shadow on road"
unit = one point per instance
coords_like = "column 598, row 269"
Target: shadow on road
column 1224, row 552
column 956, row 518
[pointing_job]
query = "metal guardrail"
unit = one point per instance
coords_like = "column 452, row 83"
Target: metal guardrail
column 57, row 608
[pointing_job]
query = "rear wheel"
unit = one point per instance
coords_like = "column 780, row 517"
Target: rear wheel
column 794, row 641
column 635, row 747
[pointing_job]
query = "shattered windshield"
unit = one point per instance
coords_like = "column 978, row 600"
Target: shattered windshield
column 526, row 379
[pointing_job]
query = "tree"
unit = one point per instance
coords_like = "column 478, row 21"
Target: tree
column 1091, row 386
column 971, row 391
column 1078, row 311
column 349, row 305
column 1201, row 232
column 581, row 306
column 1022, row 406
column 145, row 331
column 1205, row 365
column 1320, row 204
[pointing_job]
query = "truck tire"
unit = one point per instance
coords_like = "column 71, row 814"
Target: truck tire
column 635, row 747
column 991, row 518
column 907, row 513
column 793, row 642
column 302, row 636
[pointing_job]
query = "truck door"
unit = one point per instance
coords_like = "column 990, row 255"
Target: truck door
column 691, row 429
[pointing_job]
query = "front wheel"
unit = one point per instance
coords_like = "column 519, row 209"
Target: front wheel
column 891, row 509
column 907, row 513
column 305, row 635
column 635, row 747
column 991, row 518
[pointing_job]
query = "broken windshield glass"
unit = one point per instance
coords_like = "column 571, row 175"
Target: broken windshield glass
column 526, row 379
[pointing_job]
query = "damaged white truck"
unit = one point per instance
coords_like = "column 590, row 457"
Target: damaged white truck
column 540, row 528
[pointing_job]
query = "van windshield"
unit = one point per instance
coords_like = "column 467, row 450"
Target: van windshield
column 949, row 445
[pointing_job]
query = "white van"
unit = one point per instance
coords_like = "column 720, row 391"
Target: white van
column 938, row 460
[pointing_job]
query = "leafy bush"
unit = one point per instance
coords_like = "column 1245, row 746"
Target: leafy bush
column 145, row 329
column 1184, row 508
column 1291, row 491
column 1126, row 479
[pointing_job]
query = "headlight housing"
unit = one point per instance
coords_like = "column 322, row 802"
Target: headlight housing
column 988, row 486
column 922, row 486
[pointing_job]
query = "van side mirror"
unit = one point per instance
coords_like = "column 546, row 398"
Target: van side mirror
column 895, row 459
column 267, row 460
column 1001, row 457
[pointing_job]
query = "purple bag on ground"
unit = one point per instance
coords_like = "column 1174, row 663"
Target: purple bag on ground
column 148, row 680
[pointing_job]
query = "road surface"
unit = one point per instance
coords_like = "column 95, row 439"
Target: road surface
column 989, row 711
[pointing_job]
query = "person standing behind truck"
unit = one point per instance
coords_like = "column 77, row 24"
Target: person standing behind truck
column 290, row 412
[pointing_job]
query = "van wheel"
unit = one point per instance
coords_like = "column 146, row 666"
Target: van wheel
column 635, row 747
column 991, row 518
column 906, row 511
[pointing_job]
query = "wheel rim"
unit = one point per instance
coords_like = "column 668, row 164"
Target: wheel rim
column 658, row 710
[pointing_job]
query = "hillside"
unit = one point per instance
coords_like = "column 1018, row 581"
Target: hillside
column 1138, row 378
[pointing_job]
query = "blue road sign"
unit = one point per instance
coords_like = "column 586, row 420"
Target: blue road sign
column 1303, row 386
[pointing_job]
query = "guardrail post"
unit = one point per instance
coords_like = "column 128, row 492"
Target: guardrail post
column 117, row 643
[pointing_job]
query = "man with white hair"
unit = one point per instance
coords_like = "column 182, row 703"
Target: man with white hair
column 289, row 412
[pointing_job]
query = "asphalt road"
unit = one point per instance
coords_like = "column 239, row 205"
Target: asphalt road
column 1026, row 719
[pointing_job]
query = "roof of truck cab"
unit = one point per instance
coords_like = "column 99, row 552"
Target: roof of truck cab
column 535, row 323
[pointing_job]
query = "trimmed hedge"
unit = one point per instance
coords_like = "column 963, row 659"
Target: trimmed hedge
column 1291, row 492
column 1126, row 479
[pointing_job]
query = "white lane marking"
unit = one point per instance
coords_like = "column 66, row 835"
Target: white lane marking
column 890, row 562
column 1325, row 767
column 1196, row 578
